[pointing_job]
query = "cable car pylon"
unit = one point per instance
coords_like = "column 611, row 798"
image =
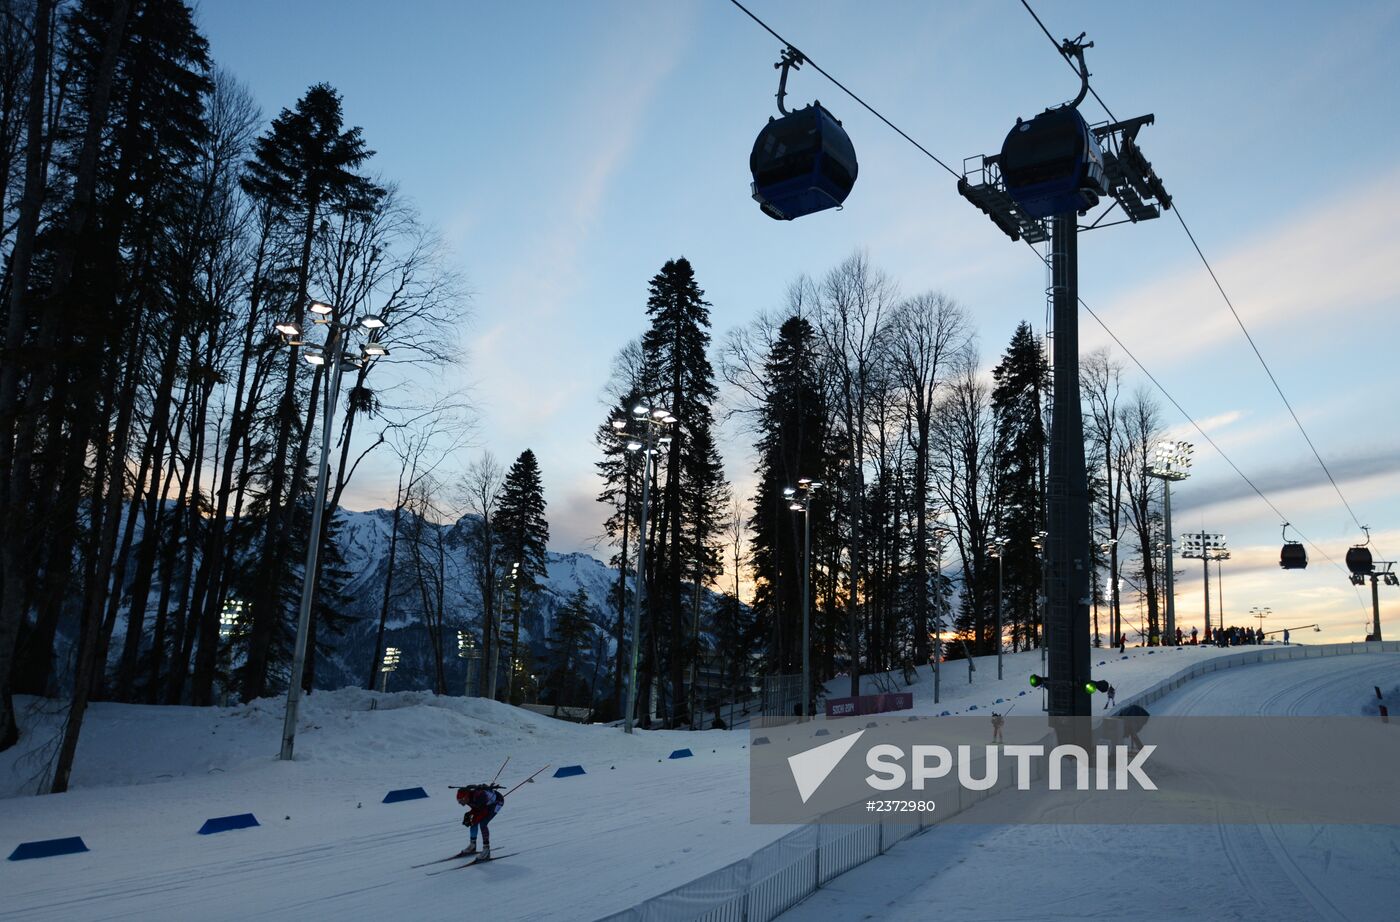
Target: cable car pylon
column 1051, row 170
column 1363, row 567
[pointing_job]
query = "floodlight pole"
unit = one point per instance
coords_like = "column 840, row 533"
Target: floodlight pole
column 1173, row 459
column 940, row 535
column 334, row 358
column 806, row 604
column 1169, row 634
column 493, row 662
column 1205, row 568
column 514, row 636
column 1207, row 547
column 641, row 584
column 334, row 353
column 999, row 548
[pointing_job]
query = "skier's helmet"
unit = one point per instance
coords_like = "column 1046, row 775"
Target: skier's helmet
column 463, row 794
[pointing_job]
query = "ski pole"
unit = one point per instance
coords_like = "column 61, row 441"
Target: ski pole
column 493, row 779
column 517, row 787
column 1009, row 710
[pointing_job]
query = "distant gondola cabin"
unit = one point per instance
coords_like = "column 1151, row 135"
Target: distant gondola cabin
column 1359, row 560
column 1053, row 164
column 1293, row 556
column 802, row 163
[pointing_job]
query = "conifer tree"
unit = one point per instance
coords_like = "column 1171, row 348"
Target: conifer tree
column 1021, row 439
column 304, row 164
column 520, row 522
column 571, row 636
column 677, row 374
column 793, row 432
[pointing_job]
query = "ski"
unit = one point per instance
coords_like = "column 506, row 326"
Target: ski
column 437, row 861
column 472, row 863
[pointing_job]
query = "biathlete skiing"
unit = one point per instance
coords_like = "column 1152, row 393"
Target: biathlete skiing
column 483, row 802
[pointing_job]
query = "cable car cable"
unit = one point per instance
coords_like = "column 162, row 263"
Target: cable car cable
column 841, row 86
column 1267, row 370
column 1082, row 303
column 1219, row 287
column 1195, row 425
column 1066, row 58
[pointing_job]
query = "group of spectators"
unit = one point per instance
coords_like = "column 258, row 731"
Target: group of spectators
column 1221, row 637
column 1234, row 636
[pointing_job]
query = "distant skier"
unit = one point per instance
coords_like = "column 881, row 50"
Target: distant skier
column 1285, row 637
column 1123, row 642
column 1179, row 636
column 483, row 802
column 1134, row 718
column 998, row 721
column 1193, row 635
column 1112, row 693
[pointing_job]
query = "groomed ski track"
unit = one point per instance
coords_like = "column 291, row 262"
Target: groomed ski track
column 1227, row 872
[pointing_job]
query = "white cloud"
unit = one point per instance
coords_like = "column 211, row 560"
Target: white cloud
column 1337, row 258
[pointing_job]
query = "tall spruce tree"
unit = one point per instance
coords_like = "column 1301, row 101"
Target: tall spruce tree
column 571, row 635
column 521, row 523
column 677, row 374
column 142, row 68
column 620, row 471
column 1021, row 378
column 524, row 535
column 793, row 426
column 304, row 164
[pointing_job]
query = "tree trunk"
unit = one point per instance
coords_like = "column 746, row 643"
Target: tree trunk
column 13, row 552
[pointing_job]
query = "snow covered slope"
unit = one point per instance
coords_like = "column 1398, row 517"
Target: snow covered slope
column 635, row 825
column 1128, row 672
column 147, row 778
column 1275, row 872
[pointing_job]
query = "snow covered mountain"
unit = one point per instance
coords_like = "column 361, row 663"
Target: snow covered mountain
column 364, row 539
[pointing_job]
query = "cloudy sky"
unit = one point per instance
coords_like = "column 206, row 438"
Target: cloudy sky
column 567, row 150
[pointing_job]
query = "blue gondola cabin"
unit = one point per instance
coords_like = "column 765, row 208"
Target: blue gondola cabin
column 802, row 163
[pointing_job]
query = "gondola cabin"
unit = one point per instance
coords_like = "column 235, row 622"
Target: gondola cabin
column 1053, row 164
column 1293, row 556
column 802, row 163
column 1359, row 560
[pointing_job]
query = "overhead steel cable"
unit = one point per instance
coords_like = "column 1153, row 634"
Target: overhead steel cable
column 1072, row 65
column 1267, row 370
column 1082, row 303
column 1176, row 209
column 841, row 86
column 1189, row 418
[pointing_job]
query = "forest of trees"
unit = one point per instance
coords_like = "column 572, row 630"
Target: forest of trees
column 926, row 459
column 157, row 436
column 159, row 440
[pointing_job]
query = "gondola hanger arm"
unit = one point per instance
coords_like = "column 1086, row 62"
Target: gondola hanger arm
column 1073, row 49
column 791, row 59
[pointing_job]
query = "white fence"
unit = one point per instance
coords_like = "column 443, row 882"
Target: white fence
column 1251, row 655
column 783, row 873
